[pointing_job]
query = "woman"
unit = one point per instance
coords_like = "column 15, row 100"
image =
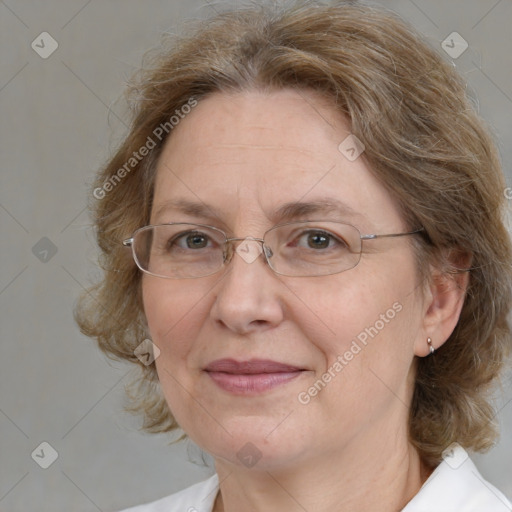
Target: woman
column 314, row 212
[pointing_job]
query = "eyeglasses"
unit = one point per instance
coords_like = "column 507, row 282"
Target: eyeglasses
column 296, row 249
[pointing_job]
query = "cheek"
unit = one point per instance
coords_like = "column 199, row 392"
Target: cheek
column 368, row 356
column 380, row 326
column 172, row 310
column 338, row 312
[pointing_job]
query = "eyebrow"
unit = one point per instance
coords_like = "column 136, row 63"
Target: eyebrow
column 286, row 212
column 325, row 206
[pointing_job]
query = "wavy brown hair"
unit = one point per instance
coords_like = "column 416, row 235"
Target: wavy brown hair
column 423, row 141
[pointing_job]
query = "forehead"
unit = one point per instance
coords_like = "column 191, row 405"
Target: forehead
column 247, row 154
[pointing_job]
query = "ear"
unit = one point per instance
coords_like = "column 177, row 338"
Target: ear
column 443, row 301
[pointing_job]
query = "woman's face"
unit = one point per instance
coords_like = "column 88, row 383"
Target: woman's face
column 354, row 333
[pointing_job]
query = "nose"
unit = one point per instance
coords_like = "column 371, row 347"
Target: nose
column 249, row 294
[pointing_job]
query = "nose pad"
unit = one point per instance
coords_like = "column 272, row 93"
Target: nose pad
column 227, row 254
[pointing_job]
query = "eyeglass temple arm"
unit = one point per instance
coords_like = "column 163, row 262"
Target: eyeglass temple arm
column 371, row 237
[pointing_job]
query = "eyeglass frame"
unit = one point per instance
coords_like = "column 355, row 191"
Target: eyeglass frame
column 128, row 242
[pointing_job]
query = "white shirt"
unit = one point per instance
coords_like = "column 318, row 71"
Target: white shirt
column 454, row 486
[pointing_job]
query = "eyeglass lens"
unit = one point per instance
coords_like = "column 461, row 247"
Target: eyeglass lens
column 308, row 248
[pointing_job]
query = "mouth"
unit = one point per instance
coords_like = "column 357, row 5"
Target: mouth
column 251, row 377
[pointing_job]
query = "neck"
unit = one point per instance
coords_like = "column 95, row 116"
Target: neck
column 385, row 478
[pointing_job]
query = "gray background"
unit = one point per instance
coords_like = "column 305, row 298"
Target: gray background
column 55, row 385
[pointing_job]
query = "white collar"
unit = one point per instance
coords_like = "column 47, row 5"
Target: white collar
column 457, row 486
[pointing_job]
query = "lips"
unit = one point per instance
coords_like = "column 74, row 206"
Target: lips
column 250, row 377
column 251, row 367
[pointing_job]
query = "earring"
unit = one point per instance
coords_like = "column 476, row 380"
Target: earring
column 432, row 349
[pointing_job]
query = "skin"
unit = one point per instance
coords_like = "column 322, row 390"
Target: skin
column 246, row 154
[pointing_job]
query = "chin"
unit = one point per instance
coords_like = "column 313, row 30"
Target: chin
column 253, row 443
